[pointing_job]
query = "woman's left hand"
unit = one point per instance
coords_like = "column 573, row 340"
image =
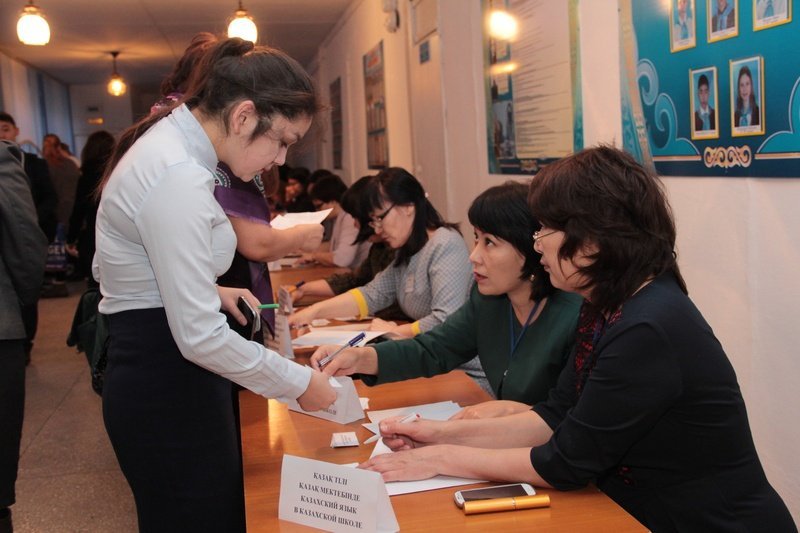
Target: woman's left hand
column 229, row 298
column 407, row 465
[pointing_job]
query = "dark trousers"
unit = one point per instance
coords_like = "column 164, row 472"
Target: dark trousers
column 12, row 406
column 30, row 318
column 172, row 427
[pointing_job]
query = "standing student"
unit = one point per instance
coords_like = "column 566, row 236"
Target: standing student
column 45, row 199
column 22, row 252
column 80, row 237
column 648, row 407
column 520, row 327
column 162, row 240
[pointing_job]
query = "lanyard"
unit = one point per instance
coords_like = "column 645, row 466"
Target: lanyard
column 515, row 342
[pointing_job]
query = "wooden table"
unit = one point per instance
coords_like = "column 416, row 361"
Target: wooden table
column 296, row 274
column 269, row 431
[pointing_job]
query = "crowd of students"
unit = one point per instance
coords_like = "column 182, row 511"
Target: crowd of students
column 570, row 310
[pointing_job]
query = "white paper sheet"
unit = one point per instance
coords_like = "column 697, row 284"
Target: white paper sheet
column 320, row 336
column 431, row 411
column 290, row 220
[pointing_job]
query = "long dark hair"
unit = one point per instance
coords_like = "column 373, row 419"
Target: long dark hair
column 178, row 80
column 233, row 71
column 397, row 186
column 355, row 202
column 603, row 197
column 503, row 211
column 96, row 151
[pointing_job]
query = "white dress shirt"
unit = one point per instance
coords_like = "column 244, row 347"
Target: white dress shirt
column 162, row 240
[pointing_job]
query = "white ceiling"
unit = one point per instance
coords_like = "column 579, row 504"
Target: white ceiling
column 152, row 34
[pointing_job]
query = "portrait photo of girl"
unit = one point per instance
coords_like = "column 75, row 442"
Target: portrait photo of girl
column 747, row 96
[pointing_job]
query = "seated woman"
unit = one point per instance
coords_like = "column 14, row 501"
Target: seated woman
column 344, row 250
column 356, row 202
column 430, row 275
column 648, row 407
column 520, row 327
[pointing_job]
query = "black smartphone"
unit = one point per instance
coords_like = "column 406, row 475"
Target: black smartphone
column 253, row 318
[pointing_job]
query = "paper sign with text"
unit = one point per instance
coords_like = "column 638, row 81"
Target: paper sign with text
column 334, row 497
column 346, row 408
column 282, row 342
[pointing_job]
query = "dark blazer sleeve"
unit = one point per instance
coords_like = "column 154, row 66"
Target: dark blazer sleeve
column 23, row 246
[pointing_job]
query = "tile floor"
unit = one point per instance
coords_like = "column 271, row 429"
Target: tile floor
column 69, row 480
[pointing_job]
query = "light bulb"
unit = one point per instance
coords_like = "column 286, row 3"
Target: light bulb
column 242, row 26
column 502, row 25
column 32, row 28
column 116, row 85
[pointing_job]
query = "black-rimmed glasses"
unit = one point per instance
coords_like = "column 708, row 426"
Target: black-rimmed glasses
column 377, row 221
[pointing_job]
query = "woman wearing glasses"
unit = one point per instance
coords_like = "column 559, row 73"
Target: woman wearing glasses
column 648, row 407
column 430, row 275
column 521, row 327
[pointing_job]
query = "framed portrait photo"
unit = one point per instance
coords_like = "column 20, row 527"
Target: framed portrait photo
column 747, row 96
column 723, row 19
column 769, row 13
column 683, row 30
column 704, row 98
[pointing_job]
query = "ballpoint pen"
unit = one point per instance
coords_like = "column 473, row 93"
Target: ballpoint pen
column 296, row 286
column 352, row 342
column 406, row 419
column 269, row 306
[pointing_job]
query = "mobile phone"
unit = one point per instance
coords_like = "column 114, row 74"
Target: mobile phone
column 253, row 319
column 488, row 493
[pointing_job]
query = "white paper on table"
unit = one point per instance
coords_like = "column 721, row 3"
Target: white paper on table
column 320, row 336
column 346, row 408
column 290, row 220
column 405, row 487
column 431, row 411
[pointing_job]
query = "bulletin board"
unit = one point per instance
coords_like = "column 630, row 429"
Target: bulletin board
column 712, row 87
column 532, row 84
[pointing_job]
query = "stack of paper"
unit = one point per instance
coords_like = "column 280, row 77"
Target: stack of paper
column 289, row 220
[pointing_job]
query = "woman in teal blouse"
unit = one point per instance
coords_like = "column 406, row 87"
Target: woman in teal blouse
column 521, row 328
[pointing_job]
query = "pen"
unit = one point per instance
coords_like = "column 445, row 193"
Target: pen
column 269, row 306
column 296, row 286
column 352, row 342
column 405, row 420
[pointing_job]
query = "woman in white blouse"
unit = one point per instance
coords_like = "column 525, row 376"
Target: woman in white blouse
column 162, row 240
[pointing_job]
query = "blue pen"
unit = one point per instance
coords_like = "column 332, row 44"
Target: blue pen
column 352, row 342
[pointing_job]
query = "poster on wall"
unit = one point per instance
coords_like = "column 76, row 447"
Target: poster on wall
column 710, row 87
column 375, row 95
column 336, row 122
column 532, row 82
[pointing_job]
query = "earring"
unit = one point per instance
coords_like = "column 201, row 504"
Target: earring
column 532, row 277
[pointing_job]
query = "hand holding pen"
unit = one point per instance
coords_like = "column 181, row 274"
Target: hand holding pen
column 413, row 417
column 352, row 342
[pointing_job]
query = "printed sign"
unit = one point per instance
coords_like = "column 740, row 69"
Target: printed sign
column 334, row 497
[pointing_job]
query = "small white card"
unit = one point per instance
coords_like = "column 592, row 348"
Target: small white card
column 282, row 343
column 344, row 439
column 346, row 408
column 334, row 497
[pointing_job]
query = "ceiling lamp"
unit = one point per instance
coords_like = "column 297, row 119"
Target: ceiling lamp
column 502, row 25
column 242, row 25
column 116, row 85
column 32, row 28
